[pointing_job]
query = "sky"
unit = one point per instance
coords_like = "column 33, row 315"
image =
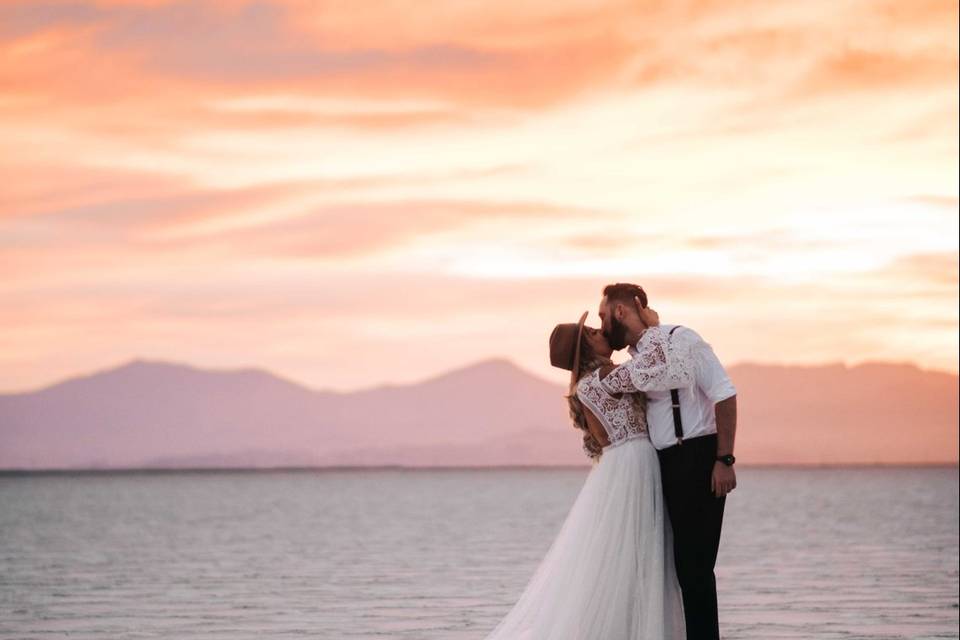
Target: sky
column 352, row 194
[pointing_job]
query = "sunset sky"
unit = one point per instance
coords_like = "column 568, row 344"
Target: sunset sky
column 355, row 193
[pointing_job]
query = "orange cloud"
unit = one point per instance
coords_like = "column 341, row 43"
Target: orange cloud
column 122, row 51
column 938, row 269
column 180, row 175
column 862, row 69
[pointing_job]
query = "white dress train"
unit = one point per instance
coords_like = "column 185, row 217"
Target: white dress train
column 609, row 572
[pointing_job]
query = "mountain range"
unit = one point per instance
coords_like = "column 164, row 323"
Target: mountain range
column 156, row 414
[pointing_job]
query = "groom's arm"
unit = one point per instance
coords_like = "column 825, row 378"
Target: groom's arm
column 726, row 415
column 724, row 478
column 715, row 383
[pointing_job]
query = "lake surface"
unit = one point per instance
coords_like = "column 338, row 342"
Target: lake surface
column 443, row 554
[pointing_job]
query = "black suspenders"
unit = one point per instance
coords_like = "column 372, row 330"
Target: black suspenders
column 675, row 401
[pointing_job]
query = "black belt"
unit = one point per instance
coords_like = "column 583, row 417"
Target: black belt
column 690, row 446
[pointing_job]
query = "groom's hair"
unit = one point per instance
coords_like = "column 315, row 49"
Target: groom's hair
column 624, row 292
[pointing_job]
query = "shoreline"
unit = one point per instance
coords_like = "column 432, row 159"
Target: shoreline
column 12, row 472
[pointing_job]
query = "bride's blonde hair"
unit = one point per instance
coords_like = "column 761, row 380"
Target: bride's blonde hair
column 588, row 362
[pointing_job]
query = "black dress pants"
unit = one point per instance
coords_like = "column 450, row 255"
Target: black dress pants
column 695, row 516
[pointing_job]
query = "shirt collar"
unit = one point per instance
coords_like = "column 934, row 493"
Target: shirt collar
column 632, row 349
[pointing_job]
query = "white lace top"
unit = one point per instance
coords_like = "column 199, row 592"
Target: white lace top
column 661, row 362
column 620, row 416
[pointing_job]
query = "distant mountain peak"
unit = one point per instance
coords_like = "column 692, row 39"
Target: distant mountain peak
column 143, row 363
column 490, row 364
column 838, row 367
column 140, row 363
column 155, row 364
column 498, row 366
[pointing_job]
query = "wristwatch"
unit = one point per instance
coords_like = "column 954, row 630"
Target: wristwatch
column 727, row 459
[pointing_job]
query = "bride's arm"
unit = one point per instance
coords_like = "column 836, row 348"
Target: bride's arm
column 661, row 363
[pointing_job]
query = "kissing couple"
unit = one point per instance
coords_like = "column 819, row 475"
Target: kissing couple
column 634, row 558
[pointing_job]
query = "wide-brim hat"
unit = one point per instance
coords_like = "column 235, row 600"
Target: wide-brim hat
column 565, row 346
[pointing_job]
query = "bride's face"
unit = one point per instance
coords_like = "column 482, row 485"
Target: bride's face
column 597, row 341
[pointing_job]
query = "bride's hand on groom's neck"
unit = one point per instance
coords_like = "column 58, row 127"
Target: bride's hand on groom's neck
column 648, row 317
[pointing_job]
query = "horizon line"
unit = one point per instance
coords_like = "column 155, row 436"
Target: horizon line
column 533, row 467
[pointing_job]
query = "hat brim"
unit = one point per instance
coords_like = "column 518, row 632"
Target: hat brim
column 576, row 350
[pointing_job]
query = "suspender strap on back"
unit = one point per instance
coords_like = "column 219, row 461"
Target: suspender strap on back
column 675, row 402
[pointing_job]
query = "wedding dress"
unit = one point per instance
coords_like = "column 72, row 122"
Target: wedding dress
column 609, row 572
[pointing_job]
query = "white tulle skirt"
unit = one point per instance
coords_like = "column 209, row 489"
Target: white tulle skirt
column 609, row 573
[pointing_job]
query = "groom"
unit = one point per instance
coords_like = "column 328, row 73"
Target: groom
column 695, row 444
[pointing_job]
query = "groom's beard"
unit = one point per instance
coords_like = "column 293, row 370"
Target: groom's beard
column 617, row 336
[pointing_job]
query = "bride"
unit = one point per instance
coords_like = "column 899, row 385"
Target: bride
column 609, row 572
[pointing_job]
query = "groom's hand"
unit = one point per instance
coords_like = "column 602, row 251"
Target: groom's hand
column 723, row 480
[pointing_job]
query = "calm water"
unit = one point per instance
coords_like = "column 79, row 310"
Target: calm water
column 442, row 554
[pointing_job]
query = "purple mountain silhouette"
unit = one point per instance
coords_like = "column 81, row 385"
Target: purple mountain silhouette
column 157, row 414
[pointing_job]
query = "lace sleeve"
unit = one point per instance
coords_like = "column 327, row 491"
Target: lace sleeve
column 662, row 362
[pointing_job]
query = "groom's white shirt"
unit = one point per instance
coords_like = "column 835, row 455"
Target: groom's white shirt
column 704, row 384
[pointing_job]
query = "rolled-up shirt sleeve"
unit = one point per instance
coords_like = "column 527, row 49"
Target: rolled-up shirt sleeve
column 658, row 365
column 712, row 378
